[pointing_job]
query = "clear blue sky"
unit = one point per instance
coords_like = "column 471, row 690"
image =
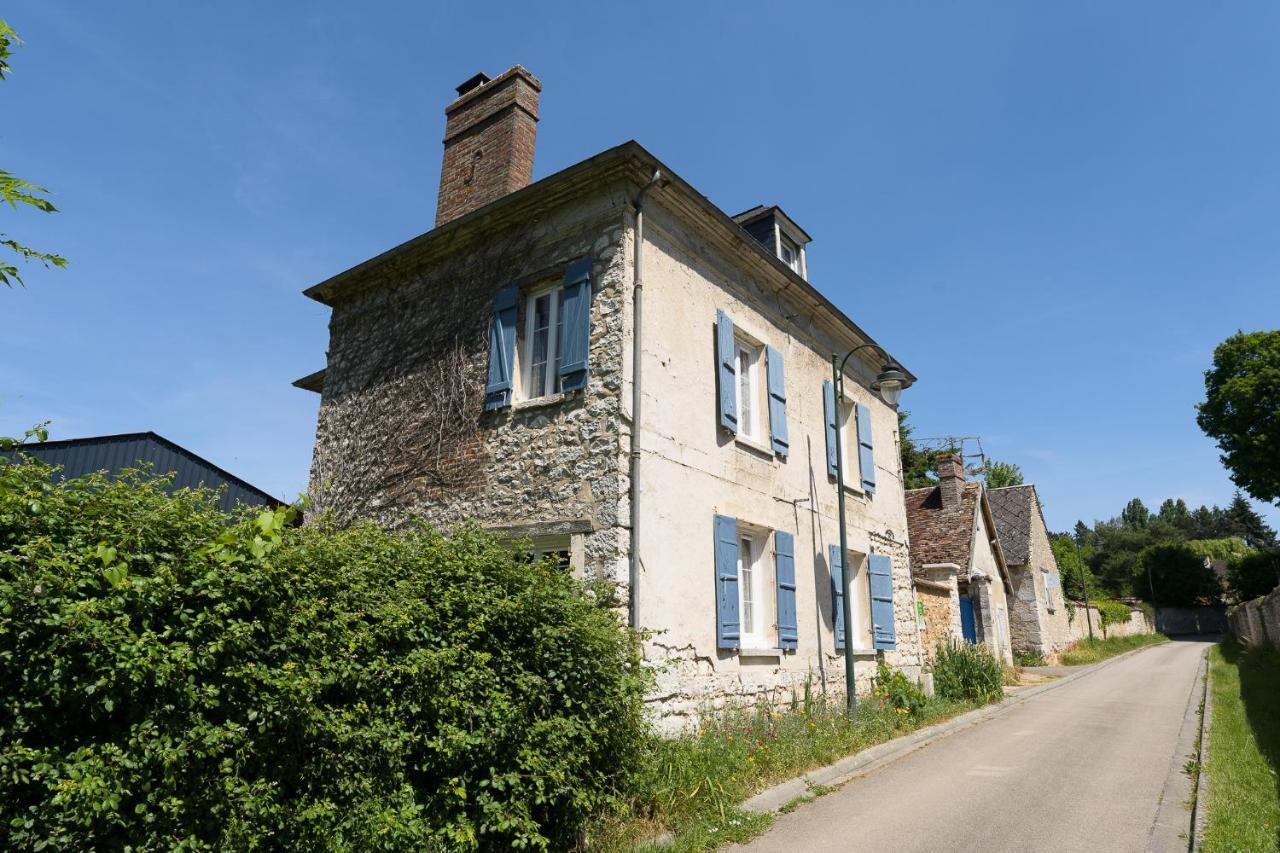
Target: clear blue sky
column 1050, row 212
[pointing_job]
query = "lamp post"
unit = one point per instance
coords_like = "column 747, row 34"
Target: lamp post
column 888, row 385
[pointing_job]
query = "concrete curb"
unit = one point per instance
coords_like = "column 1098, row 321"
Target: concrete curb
column 869, row 760
column 1200, row 814
column 1174, row 827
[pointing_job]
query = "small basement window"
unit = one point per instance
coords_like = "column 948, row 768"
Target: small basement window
column 558, row 548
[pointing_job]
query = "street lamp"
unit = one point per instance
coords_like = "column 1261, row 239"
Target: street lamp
column 889, row 384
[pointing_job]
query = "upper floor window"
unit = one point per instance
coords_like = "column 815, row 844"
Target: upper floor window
column 789, row 252
column 748, row 388
column 543, row 342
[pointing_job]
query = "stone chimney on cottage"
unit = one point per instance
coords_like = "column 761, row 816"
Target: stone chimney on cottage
column 950, row 480
column 488, row 141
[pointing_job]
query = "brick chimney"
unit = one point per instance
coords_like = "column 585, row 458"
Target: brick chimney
column 488, row 141
column 950, row 480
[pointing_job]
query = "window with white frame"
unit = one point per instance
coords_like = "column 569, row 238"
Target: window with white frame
column 753, row 601
column 557, row 548
column 542, row 342
column 789, row 252
column 860, row 586
column 751, row 411
column 849, row 445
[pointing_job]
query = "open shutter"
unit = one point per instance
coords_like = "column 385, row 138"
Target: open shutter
column 777, row 402
column 728, row 626
column 502, row 350
column 866, row 459
column 576, row 318
column 829, row 416
column 728, row 370
column 836, row 562
column 884, row 635
column 784, row 551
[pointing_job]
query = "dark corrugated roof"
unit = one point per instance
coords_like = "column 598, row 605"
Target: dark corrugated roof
column 1012, row 508
column 114, row 453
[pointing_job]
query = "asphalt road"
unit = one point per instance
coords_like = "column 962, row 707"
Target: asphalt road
column 1077, row 768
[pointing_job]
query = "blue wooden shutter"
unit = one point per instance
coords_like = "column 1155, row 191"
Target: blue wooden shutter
column 777, row 402
column 884, row 634
column 728, row 624
column 829, row 415
column 866, row 459
column 575, row 312
column 784, row 552
column 836, row 562
column 502, row 350
column 727, row 357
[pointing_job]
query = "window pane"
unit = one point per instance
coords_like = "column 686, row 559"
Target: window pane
column 746, row 413
column 746, row 583
column 539, row 345
column 559, row 347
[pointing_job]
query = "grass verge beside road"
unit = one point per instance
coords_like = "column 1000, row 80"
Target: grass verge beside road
column 1244, row 751
column 1092, row 651
column 692, row 785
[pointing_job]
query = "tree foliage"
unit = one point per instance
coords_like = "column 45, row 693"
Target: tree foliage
column 1254, row 573
column 15, row 191
column 999, row 474
column 179, row 679
column 918, row 464
column 1241, row 410
column 1176, row 575
column 1073, row 571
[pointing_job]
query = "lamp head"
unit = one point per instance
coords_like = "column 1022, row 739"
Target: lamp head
column 890, row 382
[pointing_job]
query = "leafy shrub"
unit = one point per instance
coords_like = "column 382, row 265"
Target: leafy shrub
column 967, row 673
column 1174, row 574
column 1112, row 613
column 175, row 678
column 1029, row 658
column 1254, row 574
column 897, row 692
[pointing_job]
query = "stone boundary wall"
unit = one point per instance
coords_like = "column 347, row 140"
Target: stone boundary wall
column 1257, row 622
column 1079, row 628
column 1206, row 619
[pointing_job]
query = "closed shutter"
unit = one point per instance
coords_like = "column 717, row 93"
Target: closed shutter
column 502, row 350
column 835, row 561
column 829, row 417
column 884, row 634
column 576, row 319
column 777, row 402
column 866, row 458
column 727, row 359
column 728, row 624
column 784, row 550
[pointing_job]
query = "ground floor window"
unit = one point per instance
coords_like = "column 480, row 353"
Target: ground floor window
column 752, row 571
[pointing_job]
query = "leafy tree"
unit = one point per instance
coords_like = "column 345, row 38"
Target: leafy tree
column 16, row 191
column 1071, row 568
column 1173, row 574
column 1175, row 514
column 1248, row 525
column 1241, row 410
column 1000, row 474
column 917, row 463
column 1135, row 515
column 1253, row 574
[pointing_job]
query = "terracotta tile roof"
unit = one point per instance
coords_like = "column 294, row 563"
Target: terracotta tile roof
column 1012, row 508
column 938, row 535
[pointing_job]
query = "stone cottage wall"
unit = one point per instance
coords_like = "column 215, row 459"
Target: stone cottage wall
column 1257, row 623
column 941, row 614
column 1025, row 610
column 1054, row 624
column 402, row 432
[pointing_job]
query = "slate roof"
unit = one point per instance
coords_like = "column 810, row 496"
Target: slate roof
column 1013, row 508
column 938, row 535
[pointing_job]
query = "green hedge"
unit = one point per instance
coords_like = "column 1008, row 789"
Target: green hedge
column 177, row 679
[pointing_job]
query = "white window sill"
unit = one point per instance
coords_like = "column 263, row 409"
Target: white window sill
column 754, row 652
column 857, row 653
column 754, row 445
column 541, row 402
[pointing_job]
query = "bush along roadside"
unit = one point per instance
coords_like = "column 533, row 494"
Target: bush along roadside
column 963, row 672
column 176, row 678
column 1093, row 651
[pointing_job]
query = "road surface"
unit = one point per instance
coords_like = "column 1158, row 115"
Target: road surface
column 1077, row 768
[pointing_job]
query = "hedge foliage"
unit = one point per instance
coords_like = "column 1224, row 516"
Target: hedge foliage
column 178, row 679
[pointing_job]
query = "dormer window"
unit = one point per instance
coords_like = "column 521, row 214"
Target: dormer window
column 776, row 232
column 790, row 253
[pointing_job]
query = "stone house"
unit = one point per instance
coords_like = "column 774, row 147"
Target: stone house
column 606, row 367
column 957, row 564
column 1038, row 617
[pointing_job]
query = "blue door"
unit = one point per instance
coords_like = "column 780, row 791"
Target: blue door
column 966, row 619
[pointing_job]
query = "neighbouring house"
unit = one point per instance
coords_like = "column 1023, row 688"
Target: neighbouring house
column 604, row 364
column 115, row 453
column 959, row 571
column 1039, row 621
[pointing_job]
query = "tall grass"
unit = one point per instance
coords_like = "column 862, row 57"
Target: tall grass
column 1244, row 751
column 692, row 785
column 966, row 673
column 1092, row 651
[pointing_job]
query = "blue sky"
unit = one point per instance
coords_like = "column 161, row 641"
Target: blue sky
column 1050, row 212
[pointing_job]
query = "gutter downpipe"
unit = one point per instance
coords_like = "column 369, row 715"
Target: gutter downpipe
column 637, row 299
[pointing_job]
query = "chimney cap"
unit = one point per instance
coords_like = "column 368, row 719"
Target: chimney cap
column 473, row 83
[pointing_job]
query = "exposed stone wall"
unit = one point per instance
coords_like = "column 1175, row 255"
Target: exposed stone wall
column 1079, row 626
column 402, row 432
column 941, row 615
column 1257, row 623
column 1025, row 610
